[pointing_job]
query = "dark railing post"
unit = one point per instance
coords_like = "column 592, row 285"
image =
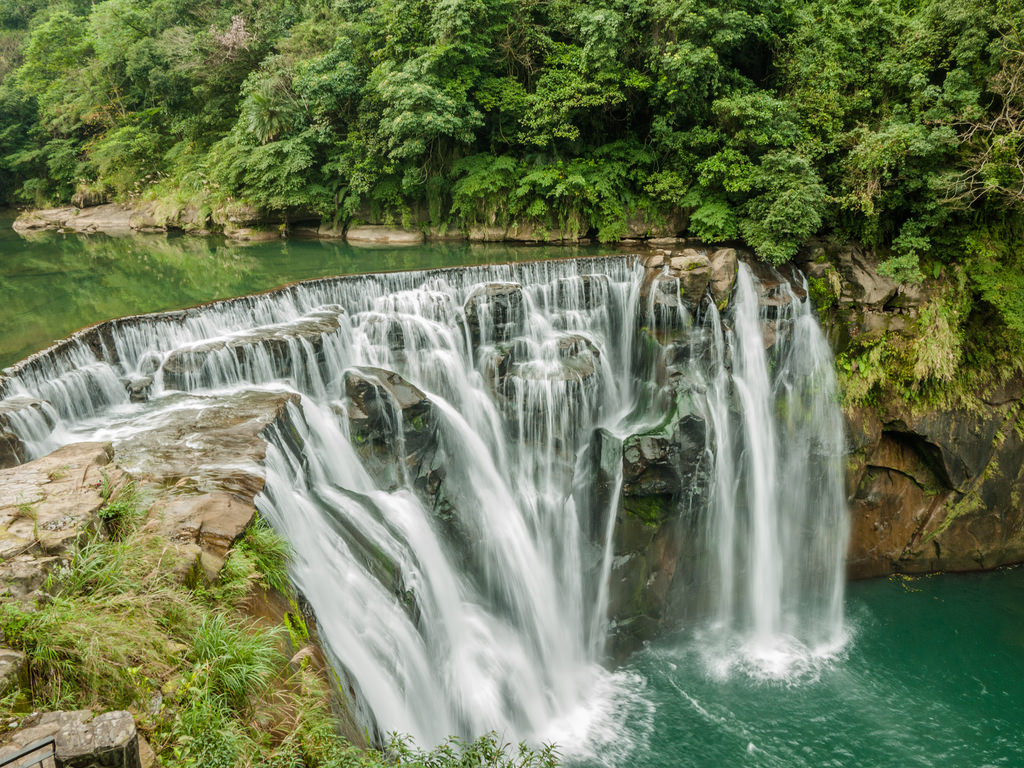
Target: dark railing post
column 43, row 753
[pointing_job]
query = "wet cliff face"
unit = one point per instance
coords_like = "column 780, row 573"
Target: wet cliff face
column 935, row 490
column 931, row 487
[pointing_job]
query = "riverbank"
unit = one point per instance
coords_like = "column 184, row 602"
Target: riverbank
column 245, row 223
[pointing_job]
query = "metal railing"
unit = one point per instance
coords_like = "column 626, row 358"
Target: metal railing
column 43, row 753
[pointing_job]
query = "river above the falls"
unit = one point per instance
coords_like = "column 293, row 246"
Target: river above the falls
column 933, row 676
column 53, row 284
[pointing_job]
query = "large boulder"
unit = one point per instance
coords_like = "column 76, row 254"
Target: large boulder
column 22, row 576
column 644, row 569
column 384, row 330
column 663, row 315
column 326, row 231
column 12, row 670
column 530, row 232
column 674, row 284
column 862, row 305
column 43, row 218
column 660, row 295
column 213, row 521
column 495, row 313
column 222, row 437
column 109, row 219
column 247, row 223
column 394, row 428
column 48, row 504
column 483, row 233
column 396, row 432
column 82, row 739
column 649, row 468
column 693, row 269
column 860, row 279
column 372, row 234
column 203, row 526
column 666, row 461
column 375, row 393
column 261, row 234
column 495, row 364
column 724, row 264
column 642, row 224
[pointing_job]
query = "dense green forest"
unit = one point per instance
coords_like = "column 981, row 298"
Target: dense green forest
column 896, row 123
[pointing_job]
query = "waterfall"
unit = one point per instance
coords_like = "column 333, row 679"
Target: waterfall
column 777, row 524
column 435, row 477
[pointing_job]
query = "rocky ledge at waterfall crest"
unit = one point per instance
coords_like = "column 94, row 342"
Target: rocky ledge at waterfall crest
column 197, row 473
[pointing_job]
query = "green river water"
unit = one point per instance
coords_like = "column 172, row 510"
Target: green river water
column 932, row 675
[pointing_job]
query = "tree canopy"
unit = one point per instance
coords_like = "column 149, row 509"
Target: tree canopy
column 897, row 123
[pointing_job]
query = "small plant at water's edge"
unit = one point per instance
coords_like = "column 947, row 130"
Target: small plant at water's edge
column 122, row 509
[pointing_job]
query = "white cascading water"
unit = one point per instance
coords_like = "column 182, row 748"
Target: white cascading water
column 487, row 609
column 776, row 527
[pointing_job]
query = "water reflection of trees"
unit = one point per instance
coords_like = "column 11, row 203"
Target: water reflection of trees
column 51, row 284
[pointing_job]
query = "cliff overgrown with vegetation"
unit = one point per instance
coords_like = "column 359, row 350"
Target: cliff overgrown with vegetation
column 895, row 124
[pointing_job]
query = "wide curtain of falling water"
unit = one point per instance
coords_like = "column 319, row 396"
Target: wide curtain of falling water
column 480, row 610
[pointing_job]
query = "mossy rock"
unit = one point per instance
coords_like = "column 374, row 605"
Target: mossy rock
column 650, row 510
